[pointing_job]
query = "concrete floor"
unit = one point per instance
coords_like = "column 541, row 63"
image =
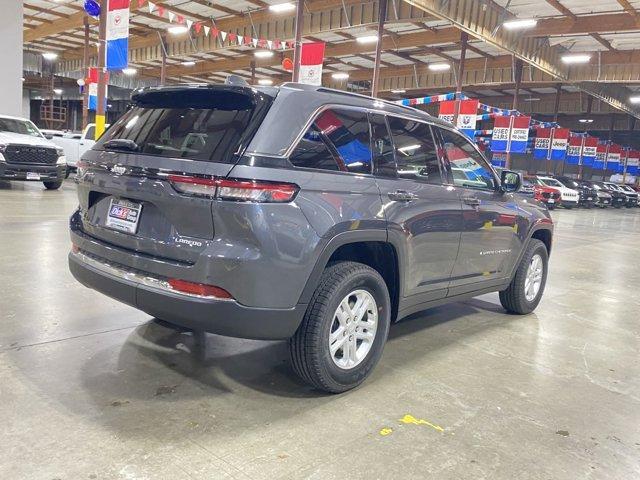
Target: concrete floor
column 91, row 389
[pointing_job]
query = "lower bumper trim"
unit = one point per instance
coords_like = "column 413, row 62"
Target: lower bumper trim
column 211, row 315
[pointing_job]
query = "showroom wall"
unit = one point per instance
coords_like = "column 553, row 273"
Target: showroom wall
column 11, row 57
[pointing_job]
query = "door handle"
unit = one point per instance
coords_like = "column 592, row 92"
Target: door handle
column 471, row 201
column 402, row 196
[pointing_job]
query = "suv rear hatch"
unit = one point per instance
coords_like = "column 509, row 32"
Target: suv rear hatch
column 127, row 199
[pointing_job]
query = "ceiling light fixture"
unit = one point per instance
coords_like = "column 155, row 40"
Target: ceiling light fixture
column 177, row 30
column 282, row 7
column 439, row 67
column 263, row 54
column 340, row 76
column 57, row 91
column 635, row 99
column 367, row 39
column 531, row 99
column 586, row 120
column 129, row 71
column 188, row 63
column 399, row 90
column 520, row 24
column 577, row 58
column 49, row 56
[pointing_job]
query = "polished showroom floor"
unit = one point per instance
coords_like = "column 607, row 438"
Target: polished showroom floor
column 92, row 389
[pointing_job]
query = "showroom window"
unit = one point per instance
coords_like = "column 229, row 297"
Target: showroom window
column 337, row 140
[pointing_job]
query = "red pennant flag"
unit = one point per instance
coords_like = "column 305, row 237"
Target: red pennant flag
column 180, row 19
column 215, row 32
column 276, row 44
column 232, row 37
column 198, row 27
column 262, row 43
column 161, row 11
column 141, row 3
column 247, row 40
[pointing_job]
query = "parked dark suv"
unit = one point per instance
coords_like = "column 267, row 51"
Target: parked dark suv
column 299, row 213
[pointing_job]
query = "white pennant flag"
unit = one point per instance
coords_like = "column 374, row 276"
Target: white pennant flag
column 171, row 16
column 152, row 7
column 270, row 44
column 189, row 23
column 223, row 35
column 206, row 31
column 254, row 41
column 240, row 39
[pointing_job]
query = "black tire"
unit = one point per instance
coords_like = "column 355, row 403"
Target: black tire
column 513, row 299
column 309, row 347
column 551, row 206
column 52, row 185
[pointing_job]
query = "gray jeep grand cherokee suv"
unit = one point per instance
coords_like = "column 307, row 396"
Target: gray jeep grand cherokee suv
column 299, row 213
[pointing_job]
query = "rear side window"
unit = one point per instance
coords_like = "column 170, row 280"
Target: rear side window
column 205, row 125
column 337, row 140
column 468, row 168
column 415, row 151
column 91, row 133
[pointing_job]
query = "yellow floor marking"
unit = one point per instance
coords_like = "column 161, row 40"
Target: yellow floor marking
column 386, row 431
column 410, row 419
column 488, row 225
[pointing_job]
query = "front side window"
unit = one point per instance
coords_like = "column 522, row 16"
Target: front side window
column 468, row 168
column 415, row 151
column 337, row 140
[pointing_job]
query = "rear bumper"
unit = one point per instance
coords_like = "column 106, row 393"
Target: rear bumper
column 17, row 171
column 222, row 317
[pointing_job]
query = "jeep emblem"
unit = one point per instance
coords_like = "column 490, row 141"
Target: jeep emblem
column 118, row 169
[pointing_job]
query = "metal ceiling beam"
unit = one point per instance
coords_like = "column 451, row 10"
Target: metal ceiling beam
column 484, row 20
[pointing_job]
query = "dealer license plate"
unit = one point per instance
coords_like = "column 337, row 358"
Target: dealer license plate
column 589, row 198
column 551, row 200
column 33, row 176
column 124, row 215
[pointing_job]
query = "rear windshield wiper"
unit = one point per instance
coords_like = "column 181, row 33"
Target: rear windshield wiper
column 122, row 144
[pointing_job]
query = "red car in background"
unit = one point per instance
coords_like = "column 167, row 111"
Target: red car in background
column 547, row 195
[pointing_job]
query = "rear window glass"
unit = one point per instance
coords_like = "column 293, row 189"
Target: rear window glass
column 206, row 126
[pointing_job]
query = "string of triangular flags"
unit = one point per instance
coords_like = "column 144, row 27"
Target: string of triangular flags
column 208, row 28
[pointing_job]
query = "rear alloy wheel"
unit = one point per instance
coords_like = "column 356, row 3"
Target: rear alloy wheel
column 52, row 185
column 525, row 290
column 344, row 329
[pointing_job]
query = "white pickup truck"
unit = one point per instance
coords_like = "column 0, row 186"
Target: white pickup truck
column 25, row 154
column 73, row 144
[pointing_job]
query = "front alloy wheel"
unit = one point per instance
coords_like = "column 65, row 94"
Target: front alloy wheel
column 533, row 281
column 527, row 286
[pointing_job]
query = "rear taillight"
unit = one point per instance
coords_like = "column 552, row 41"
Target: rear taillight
column 236, row 190
column 199, row 289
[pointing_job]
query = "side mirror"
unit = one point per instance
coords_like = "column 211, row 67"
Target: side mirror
column 48, row 136
column 510, row 181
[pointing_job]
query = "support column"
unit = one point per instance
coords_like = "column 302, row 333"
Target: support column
column 556, row 110
column 85, row 68
column 297, row 52
column 11, row 34
column 518, row 65
column 382, row 16
column 464, row 39
column 102, row 77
